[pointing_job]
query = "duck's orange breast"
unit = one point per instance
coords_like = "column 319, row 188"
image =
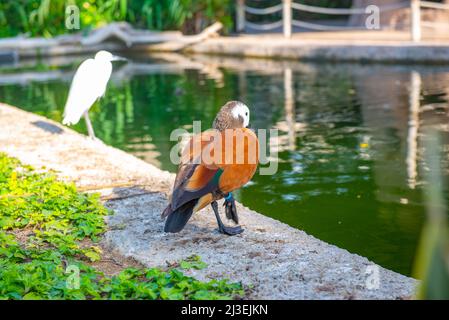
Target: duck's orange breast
column 244, row 152
column 227, row 161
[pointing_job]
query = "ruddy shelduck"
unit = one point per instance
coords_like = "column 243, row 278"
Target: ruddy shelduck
column 213, row 164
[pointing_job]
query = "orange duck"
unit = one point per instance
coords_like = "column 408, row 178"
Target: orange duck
column 213, row 164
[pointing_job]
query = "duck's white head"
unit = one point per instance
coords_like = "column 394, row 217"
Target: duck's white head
column 241, row 111
column 234, row 114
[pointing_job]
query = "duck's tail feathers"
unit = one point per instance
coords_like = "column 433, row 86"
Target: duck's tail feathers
column 166, row 212
column 177, row 219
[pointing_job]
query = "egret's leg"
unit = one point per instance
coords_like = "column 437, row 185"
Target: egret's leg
column 90, row 129
column 231, row 231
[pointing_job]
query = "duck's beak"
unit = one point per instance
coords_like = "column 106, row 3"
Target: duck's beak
column 250, row 127
column 118, row 58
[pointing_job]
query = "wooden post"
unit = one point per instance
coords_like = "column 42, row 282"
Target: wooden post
column 240, row 15
column 289, row 104
column 287, row 18
column 415, row 8
column 413, row 126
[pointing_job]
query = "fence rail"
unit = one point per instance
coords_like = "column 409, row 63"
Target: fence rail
column 321, row 27
column 287, row 21
column 264, row 26
column 338, row 11
column 434, row 5
column 262, row 11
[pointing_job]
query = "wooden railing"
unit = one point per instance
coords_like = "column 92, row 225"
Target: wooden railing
column 429, row 24
column 287, row 21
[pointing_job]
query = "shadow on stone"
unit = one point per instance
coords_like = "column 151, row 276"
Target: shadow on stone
column 47, row 126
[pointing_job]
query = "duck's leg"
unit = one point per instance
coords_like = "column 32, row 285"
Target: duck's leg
column 230, row 209
column 231, row 231
column 90, row 129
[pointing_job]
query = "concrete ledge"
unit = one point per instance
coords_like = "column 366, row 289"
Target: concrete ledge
column 325, row 49
column 375, row 46
column 281, row 262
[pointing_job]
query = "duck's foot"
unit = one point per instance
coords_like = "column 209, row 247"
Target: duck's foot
column 230, row 231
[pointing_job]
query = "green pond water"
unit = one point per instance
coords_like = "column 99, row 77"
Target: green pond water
column 350, row 168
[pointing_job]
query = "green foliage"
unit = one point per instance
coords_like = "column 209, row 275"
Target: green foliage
column 48, row 229
column 193, row 262
column 432, row 259
column 431, row 265
column 190, row 16
column 59, row 216
column 47, row 17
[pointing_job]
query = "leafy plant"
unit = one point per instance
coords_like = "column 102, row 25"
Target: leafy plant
column 47, row 17
column 193, row 262
column 48, row 229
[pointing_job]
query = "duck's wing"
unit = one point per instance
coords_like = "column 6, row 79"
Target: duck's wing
column 194, row 178
column 197, row 183
column 193, row 189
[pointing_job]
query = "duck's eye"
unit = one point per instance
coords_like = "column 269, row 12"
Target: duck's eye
column 246, row 113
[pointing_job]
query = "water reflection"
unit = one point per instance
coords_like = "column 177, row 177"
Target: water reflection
column 350, row 144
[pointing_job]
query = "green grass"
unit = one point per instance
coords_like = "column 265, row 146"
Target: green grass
column 48, row 239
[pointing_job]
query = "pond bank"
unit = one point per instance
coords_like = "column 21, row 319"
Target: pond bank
column 280, row 261
column 328, row 47
column 353, row 46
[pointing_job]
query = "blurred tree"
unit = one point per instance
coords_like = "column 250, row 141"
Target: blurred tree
column 47, row 17
column 189, row 16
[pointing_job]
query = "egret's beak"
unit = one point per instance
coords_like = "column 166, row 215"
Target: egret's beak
column 118, row 58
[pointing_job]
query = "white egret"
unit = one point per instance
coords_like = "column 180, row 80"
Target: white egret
column 88, row 85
